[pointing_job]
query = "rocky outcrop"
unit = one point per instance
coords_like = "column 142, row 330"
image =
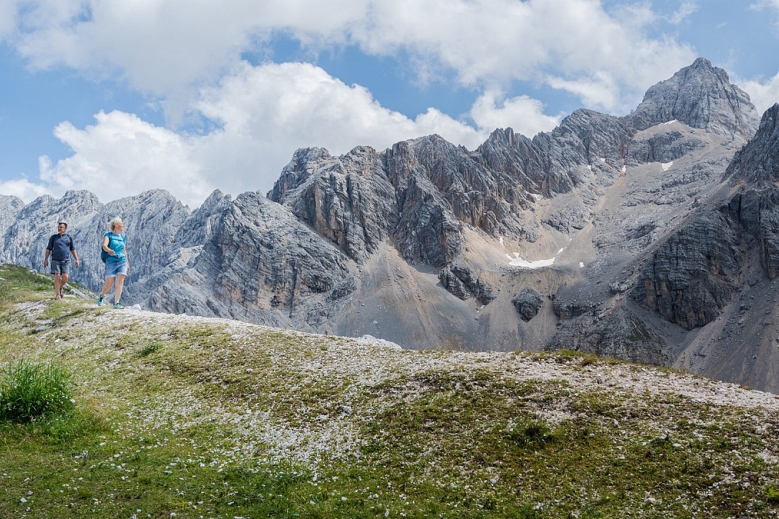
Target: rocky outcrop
column 10, row 207
column 663, row 147
column 570, row 308
column 347, row 200
column 461, row 283
column 620, row 334
column 568, row 218
column 260, row 264
column 587, row 149
column 527, row 303
column 699, row 96
column 694, row 273
column 758, row 162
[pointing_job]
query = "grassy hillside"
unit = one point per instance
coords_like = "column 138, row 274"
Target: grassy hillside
column 178, row 416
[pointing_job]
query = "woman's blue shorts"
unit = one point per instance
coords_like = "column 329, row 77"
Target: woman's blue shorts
column 115, row 268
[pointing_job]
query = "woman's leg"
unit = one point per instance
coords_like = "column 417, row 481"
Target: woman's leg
column 119, row 286
column 106, row 286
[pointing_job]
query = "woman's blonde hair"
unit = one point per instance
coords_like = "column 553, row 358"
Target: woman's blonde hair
column 116, row 221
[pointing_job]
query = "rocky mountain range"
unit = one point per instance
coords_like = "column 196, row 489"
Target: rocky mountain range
column 652, row 237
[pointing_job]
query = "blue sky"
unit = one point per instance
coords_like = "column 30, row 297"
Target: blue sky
column 121, row 97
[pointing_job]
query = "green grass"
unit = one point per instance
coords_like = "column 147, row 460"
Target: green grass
column 179, row 416
column 34, row 390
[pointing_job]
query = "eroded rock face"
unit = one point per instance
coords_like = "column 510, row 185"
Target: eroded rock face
column 663, row 147
column 758, row 163
column 10, row 206
column 259, row 264
column 756, row 168
column 348, row 200
column 587, row 149
column 528, row 303
column 418, row 194
column 462, row 283
column 694, row 273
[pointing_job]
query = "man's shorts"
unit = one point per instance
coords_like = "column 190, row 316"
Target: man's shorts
column 115, row 268
column 60, row 267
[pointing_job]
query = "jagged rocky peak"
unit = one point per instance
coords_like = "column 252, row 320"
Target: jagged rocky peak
column 10, row 202
column 10, row 206
column 347, row 199
column 72, row 206
column 305, row 162
column 758, row 161
column 515, row 155
column 592, row 136
column 700, row 96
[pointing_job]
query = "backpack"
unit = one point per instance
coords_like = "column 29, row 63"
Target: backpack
column 103, row 254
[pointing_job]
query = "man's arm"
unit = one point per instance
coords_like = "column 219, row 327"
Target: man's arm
column 75, row 255
column 49, row 247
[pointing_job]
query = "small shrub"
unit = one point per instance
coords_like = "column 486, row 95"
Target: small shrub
column 32, row 390
column 531, row 434
column 149, row 349
column 772, row 495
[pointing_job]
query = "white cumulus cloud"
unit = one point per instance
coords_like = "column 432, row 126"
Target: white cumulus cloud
column 522, row 113
column 167, row 46
column 764, row 94
column 23, row 189
column 122, row 155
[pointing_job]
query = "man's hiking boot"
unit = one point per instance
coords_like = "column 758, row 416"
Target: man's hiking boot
column 117, row 306
column 100, row 301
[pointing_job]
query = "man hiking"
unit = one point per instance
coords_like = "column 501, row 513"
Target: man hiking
column 60, row 247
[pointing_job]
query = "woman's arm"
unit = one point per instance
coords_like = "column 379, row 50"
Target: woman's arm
column 105, row 246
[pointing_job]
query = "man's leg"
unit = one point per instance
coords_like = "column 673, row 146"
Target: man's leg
column 63, row 282
column 57, row 285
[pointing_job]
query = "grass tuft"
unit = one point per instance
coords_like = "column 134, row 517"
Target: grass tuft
column 149, row 349
column 532, row 434
column 33, row 390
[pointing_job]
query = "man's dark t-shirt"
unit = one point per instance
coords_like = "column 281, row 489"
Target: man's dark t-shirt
column 60, row 247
